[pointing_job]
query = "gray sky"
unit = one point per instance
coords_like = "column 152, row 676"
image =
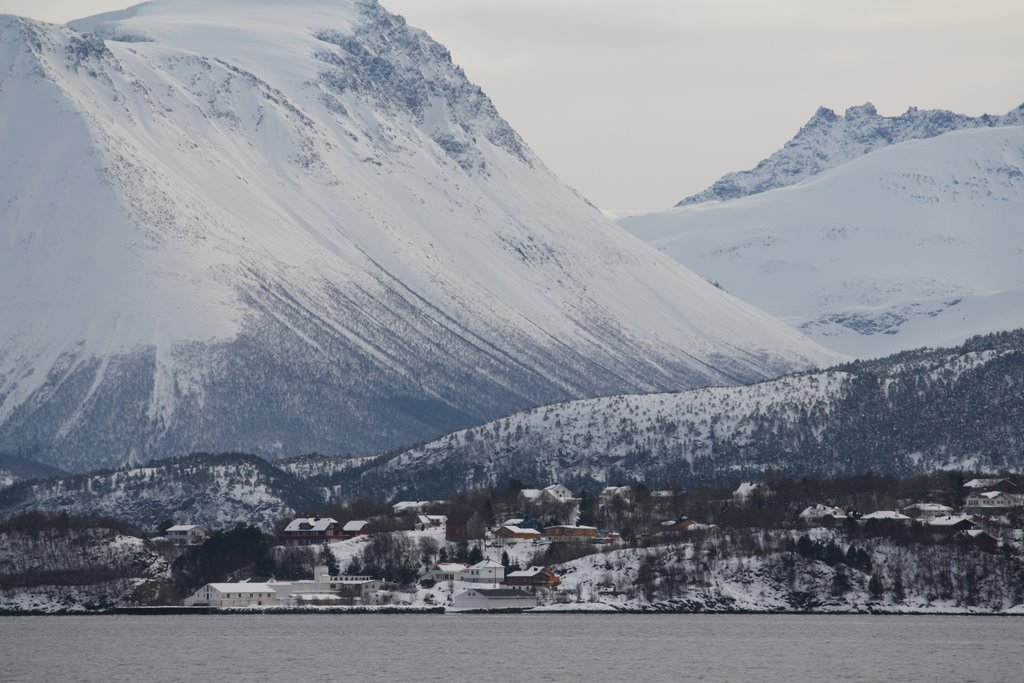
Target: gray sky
column 638, row 103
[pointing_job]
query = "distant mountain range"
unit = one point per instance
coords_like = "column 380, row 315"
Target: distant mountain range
column 960, row 408
column 280, row 228
column 829, row 140
column 917, row 243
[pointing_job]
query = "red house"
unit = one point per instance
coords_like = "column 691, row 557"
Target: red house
column 311, row 531
column 534, row 577
column 357, row 527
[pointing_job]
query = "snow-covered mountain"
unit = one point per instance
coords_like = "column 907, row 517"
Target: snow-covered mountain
column 918, row 411
column 829, row 140
column 917, row 244
column 246, row 225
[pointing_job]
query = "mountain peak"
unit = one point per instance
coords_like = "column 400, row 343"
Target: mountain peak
column 863, row 110
column 828, row 140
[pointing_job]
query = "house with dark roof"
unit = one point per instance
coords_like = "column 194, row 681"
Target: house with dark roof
column 494, row 599
column 949, row 525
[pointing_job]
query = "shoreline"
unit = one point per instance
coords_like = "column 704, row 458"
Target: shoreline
column 431, row 611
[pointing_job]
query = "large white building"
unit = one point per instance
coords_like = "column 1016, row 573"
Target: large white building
column 494, row 599
column 323, row 588
column 235, row 595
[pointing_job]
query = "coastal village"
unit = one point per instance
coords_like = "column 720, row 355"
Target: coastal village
column 506, row 557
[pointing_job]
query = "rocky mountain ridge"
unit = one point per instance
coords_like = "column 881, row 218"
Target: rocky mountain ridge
column 829, row 140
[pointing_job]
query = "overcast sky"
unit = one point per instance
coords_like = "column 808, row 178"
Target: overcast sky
column 638, row 103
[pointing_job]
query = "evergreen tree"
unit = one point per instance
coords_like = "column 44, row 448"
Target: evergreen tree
column 898, row 592
column 475, row 555
column 504, row 559
column 840, row 581
column 327, row 557
column 864, row 561
column 833, row 554
column 876, row 587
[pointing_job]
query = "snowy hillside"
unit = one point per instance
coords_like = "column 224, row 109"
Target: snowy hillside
column 919, row 411
column 212, row 490
column 829, row 140
column 716, row 574
column 918, row 244
column 297, row 227
column 73, row 565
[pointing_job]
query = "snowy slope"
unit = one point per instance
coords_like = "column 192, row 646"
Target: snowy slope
column 917, row 244
column 914, row 412
column 828, row 140
column 286, row 228
column 212, row 490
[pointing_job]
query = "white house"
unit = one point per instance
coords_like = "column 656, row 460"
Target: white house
column 993, row 502
column 494, row 599
column 487, row 571
column 187, row 534
column 556, row 493
column 816, row 513
column 609, row 494
column 447, row 571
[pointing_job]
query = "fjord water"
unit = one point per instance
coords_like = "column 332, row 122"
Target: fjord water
column 794, row 649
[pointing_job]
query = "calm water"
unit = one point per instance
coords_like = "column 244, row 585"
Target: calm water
column 519, row 648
